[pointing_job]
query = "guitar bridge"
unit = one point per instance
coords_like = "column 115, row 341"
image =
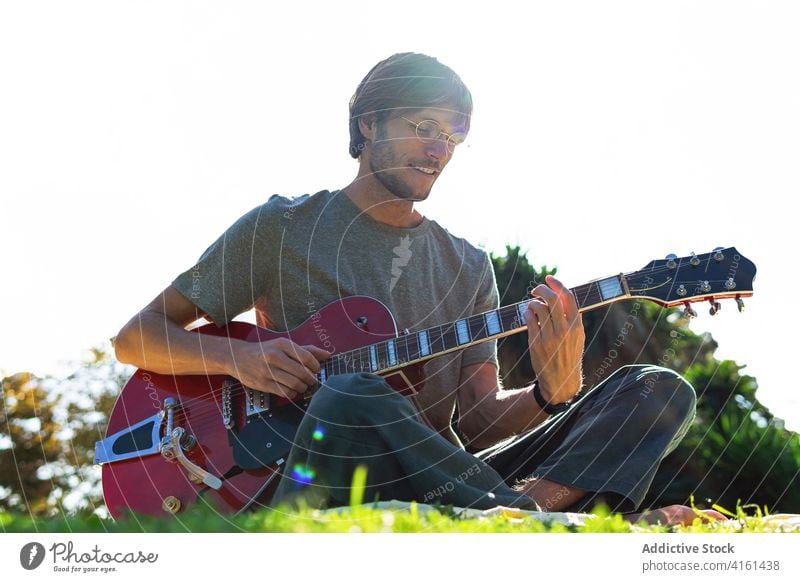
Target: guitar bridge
column 227, row 405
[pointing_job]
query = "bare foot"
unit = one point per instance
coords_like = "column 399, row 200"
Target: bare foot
column 674, row 515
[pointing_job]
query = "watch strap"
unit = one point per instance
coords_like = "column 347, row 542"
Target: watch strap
column 547, row 406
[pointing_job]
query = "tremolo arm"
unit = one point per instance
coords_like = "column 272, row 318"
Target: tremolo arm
column 176, row 441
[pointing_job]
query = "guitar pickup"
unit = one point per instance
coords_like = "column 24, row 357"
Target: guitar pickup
column 257, row 402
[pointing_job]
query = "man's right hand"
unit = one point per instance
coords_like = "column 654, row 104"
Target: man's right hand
column 156, row 339
column 277, row 366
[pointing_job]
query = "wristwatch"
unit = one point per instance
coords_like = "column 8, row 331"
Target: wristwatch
column 545, row 405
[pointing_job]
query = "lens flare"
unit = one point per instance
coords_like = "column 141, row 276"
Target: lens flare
column 303, row 474
column 318, row 434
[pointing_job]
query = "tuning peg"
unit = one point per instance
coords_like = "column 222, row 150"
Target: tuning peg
column 718, row 256
column 740, row 304
column 694, row 261
column 715, row 307
column 671, row 258
column 688, row 312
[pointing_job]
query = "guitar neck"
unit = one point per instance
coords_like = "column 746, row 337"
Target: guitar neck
column 420, row 346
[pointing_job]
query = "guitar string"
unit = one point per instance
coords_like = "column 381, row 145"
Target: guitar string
column 212, row 412
column 211, row 394
column 199, row 419
column 591, row 290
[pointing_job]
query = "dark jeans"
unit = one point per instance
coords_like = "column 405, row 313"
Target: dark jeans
column 610, row 443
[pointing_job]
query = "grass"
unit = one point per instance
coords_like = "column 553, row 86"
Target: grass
column 368, row 520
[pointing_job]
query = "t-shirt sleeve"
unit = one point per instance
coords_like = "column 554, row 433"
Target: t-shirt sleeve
column 486, row 299
column 234, row 272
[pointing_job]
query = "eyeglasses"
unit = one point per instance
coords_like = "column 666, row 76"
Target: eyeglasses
column 429, row 130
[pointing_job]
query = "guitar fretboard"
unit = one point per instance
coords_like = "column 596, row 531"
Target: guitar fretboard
column 423, row 345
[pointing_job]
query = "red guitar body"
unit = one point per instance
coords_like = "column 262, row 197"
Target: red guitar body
column 138, row 477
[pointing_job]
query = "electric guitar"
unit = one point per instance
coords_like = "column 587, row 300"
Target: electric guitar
column 176, row 440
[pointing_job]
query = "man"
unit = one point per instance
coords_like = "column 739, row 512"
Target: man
column 289, row 258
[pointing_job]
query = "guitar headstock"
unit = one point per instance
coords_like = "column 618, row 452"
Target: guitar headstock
column 672, row 282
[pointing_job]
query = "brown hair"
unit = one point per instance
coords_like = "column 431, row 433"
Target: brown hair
column 405, row 81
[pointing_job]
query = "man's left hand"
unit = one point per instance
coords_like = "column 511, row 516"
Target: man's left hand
column 555, row 340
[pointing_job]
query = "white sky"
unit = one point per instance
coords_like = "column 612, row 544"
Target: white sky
column 605, row 134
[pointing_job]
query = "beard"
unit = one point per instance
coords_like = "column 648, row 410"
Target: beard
column 386, row 168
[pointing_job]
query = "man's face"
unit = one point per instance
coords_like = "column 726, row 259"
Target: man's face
column 405, row 165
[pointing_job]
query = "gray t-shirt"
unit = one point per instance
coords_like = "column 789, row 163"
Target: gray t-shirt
column 290, row 257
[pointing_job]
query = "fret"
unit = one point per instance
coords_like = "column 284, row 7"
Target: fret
column 438, row 342
column 449, row 337
column 477, row 327
column 462, row 332
column 347, row 362
column 382, row 355
column 591, row 294
column 391, row 353
column 411, row 342
column 360, row 362
column 400, row 349
column 322, row 376
column 522, row 311
column 424, row 343
column 508, row 317
column 493, row 324
column 581, row 294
